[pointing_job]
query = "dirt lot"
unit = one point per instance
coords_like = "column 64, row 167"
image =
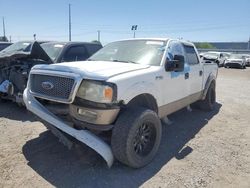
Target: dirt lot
column 200, row 149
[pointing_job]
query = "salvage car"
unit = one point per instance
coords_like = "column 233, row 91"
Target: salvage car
column 247, row 59
column 17, row 60
column 4, row 45
column 235, row 61
column 123, row 90
column 218, row 57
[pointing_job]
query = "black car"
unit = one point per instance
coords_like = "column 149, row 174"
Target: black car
column 17, row 60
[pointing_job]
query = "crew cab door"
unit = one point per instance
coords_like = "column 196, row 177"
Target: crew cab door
column 174, row 84
column 195, row 74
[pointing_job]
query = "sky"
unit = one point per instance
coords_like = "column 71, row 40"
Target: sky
column 193, row 20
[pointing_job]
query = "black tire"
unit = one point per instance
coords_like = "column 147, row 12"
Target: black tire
column 218, row 63
column 209, row 102
column 3, row 100
column 128, row 137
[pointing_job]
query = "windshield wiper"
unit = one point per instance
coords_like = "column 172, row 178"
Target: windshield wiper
column 123, row 61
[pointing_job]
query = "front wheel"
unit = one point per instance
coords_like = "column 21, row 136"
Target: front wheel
column 136, row 137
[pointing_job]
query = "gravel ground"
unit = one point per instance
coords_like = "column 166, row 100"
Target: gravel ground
column 200, row 149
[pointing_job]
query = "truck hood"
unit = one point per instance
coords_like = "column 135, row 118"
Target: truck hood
column 100, row 70
column 207, row 57
column 36, row 52
column 235, row 60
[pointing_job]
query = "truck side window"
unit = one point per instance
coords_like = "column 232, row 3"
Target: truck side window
column 191, row 55
column 174, row 48
column 76, row 53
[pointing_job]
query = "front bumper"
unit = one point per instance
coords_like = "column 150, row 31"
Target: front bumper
column 233, row 65
column 83, row 136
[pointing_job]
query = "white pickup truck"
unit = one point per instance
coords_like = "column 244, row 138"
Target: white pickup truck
column 124, row 89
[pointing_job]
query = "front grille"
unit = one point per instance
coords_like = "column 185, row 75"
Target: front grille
column 51, row 86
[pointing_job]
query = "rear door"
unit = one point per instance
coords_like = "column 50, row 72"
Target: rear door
column 195, row 74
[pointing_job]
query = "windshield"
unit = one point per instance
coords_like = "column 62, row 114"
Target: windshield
column 236, row 56
column 246, row 56
column 146, row 52
column 53, row 50
column 19, row 46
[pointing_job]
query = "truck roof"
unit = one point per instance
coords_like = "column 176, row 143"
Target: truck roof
column 70, row 43
column 158, row 39
column 161, row 39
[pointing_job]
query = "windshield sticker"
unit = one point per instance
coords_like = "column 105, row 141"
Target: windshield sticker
column 160, row 43
column 58, row 46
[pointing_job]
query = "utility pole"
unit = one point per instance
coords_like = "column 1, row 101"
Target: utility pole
column 3, row 28
column 69, row 22
column 10, row 38
column 134, row 28
column 248, row 44
column 98, row 35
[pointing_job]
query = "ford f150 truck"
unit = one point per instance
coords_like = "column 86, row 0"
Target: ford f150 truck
column 124, row 89
column 17, row 60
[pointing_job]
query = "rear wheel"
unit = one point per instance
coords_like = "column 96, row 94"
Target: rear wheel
column 3, row 100
column 209, row 102
column 136, row 137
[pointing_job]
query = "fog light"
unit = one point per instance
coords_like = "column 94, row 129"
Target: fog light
column 86, row 113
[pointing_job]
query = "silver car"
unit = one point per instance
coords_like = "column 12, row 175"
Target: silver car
column 235, row 61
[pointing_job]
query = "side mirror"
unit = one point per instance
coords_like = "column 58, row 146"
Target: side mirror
column 176, row 65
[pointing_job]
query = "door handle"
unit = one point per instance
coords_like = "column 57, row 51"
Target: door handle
column 186, row 75
column 201, row 72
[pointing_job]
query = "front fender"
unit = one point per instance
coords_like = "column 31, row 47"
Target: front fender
column 138, row 89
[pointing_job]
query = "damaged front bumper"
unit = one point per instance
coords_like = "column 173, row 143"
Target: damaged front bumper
column 83, row 136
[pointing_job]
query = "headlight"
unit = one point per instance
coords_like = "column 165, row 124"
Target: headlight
column 97, row 91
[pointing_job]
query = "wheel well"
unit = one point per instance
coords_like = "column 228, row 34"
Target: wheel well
column 212, row 82
column 144, row 100
column 208, row 84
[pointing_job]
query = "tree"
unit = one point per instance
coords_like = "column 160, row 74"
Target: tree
column 204, row 45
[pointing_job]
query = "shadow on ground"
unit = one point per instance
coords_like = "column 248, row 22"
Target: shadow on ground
column 82, row 167
column 12, row 111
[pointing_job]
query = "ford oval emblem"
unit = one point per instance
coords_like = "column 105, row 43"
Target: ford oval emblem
column 47, row 85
